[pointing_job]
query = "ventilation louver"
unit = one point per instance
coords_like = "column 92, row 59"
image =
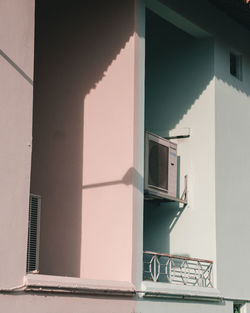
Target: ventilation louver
column 33, row 234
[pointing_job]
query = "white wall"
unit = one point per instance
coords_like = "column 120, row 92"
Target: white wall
column 176, row 306
column 180, row 94
column 221, row 117
column 16, row 91
column 232, row 101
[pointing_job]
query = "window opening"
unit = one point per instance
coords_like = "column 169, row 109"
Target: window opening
column 236, row 65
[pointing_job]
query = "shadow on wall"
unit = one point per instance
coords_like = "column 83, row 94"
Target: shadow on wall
column 224, row 28
column 159, row 220
column 179, row 68
column 160, row 217
column 129, row 178
column 76, row 41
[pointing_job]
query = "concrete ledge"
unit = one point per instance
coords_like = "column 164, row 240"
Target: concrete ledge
column 37, row 282
column 156, row 289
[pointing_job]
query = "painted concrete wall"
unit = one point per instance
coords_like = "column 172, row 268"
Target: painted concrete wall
column 231, row 129
column 138, row 192
column 59, row 91
column 230, row 122
column 180, row 94
column 61, row 303
column 109, row 173
column 232, row 100
column 211, row 20
column 62, row 129
column 163, row 305
column 16, row 90
column 83, row 158
column 64, row 304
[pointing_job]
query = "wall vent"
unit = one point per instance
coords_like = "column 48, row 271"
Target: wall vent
column 32, row 264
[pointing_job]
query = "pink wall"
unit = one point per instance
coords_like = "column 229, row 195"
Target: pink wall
column 57, row 136
column 16, row 90
column 108, row 172
column 108, row 167
column 53, row 303
column 83, row 146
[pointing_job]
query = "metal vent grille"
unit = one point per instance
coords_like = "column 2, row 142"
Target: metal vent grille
column 33, row 234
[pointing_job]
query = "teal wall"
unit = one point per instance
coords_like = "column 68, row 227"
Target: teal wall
column 178, row 69
column 174, row 58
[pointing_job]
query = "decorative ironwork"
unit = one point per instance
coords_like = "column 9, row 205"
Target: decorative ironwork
column 160, row 267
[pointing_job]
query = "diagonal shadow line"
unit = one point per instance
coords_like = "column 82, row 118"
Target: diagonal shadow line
column 129, row 178
column 16, row 67
column 176, row 218
column 115, row 182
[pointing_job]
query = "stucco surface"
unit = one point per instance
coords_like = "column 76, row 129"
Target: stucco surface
column 94, row 304
column 83, row 162
column 162, row 306
column 108, row 170
column 180, row 95
column 16, row 92
column 64, row 304
column 232, row 98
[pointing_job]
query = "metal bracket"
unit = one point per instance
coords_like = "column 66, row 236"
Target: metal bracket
column 177, row 137
column 182, row 199
column 184, row 194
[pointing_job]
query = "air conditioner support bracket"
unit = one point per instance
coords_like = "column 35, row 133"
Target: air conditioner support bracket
column 184, row 194
column 183, row 199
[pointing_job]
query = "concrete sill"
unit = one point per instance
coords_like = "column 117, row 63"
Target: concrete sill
column 165, row 290
column 49, row 283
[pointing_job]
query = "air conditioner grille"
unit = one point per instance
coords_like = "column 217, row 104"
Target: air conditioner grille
column 158, row 165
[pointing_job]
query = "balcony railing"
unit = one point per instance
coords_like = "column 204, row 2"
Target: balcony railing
column 160, row 267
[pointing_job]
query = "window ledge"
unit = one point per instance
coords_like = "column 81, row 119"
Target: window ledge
column 156, row 289
column 38, row 282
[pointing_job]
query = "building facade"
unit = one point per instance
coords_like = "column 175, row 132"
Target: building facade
column 81, row 82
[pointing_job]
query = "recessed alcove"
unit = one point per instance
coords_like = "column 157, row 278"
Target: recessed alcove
column 178, row 83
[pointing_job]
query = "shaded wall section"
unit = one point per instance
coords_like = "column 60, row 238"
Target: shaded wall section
column 16, row 90
column 83, row 136
column 180, row 95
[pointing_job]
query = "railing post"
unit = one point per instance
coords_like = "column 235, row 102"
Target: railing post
column 155, row 276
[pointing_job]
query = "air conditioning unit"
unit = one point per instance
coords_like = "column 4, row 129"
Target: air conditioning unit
column 160, row 180
column 32, row 264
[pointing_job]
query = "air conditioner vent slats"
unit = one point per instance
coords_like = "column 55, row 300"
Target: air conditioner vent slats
column 33, row 234
column 160, row 177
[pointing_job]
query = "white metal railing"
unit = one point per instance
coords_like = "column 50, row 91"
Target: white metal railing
column 160, row 267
